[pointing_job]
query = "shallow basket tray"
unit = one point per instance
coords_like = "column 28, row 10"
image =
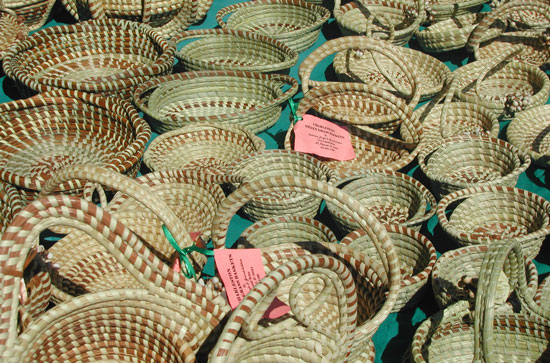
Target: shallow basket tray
column 249, row 99
column 237, row 50
column 12, row 29
column 297, row 23
column 483, row 214
column 106, row 56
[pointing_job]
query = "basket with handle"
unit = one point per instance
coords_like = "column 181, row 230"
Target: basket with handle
column 12, row 29
column 106, row 56
column 34, row 13
column 440, row 10
column 237, row 50
column 297, row 23
column 249, row 99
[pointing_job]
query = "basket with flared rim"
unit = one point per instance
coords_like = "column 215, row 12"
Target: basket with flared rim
column 296, row 23
column 201, row 145
column 483, row 214
column 237, row 50
column 249, row 99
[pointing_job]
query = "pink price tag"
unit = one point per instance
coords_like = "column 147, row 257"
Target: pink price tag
column 314, row 135
column 240, row 270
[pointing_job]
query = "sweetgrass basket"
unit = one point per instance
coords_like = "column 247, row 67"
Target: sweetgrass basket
column 238, row 50
column 528, row 131
column 106, row 56
column 207, row 146
column 10, row 204
column 167, row 17
column 297, row 23
column 463, row 161
column 12, row 29
column 394, row 21
column 439, row 10
column 34, row 13
column 391, row 196
column 417, row 257
column 249, row 99
column 483, row 214
column 45, row 133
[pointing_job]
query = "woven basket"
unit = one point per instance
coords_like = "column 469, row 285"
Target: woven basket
column 226, row 49
column 43, row 134
column 201, row 145
column 525, row 14
column 543, row 292
column 463, row 161
column 284, row 229
column 271, row 163
column 107, row 56
column 391, row 20
column 393, row 197
column 296, row 23
column 439, row 10
column 528, row 131
column 483, row 214
column 249, row 99
column 167, row 17
column 12, row 29
column 10, row 204
column 417, row 256
column 35, row 13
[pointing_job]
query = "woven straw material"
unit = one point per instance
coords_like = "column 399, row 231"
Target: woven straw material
column 10, row 204
column 481, row 215
column 296, row 23
column 463, row 161
column 167, row 17
column 12, row 29
column 393, row 197
column 392, row 20
column 35, row 13
column 272, row 163
column 543, row 292
column 227, row 49
column 358, row 66
column 535, row 47
column 440, row 10
column 249, row 99
column 417, row 257
column 43, row 134
column 454, row 267
column 528, row 131
column 107, row 56
column 207, row 146
column 284, row 229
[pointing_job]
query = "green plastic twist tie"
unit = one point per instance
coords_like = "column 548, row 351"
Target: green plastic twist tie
column 292, row 106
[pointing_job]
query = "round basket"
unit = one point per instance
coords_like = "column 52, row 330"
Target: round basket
column 12, row 29
column 463, row 161
column 202, row 145
column 35, row 13
column 107, row 56
column 250, row 99
column 392, row 197
column 481, row 215
column 297, row 23
column 417, row 257
column 390, row 20
column 45, row 133
column 226, row 49
column 439, row 10
column 528, row 131
column 271, row 163
column 284, row 229
column 167, row 17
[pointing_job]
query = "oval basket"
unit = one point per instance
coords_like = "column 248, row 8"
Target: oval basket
column 439, row 10
column 249, row 99
column 463, row 161
column 392, row 197
column 483, row 214
column 43, row 134
column 206, row 146
column 12, row 29
column 417, row 257
column 296, row 23
column 107, row 56
column 237, row 50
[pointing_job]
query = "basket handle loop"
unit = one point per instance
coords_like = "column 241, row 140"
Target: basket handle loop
column 374, row 16
column 495, row 62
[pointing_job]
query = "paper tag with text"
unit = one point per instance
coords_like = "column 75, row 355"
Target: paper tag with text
column 314, row 135
column 240, row 270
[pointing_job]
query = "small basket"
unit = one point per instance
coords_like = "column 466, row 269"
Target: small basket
column 206, row 146
column 528, row 131
column 12, row 29
column 440, row 10
column 236, row 50
column 45, row 133
column 393, row 197
column 106, row 56
column 250, row 99
column 463, row 161
column 297, row 23
column 417, row 257
column 391, row 20
column 35, row 13
column 481, row 215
